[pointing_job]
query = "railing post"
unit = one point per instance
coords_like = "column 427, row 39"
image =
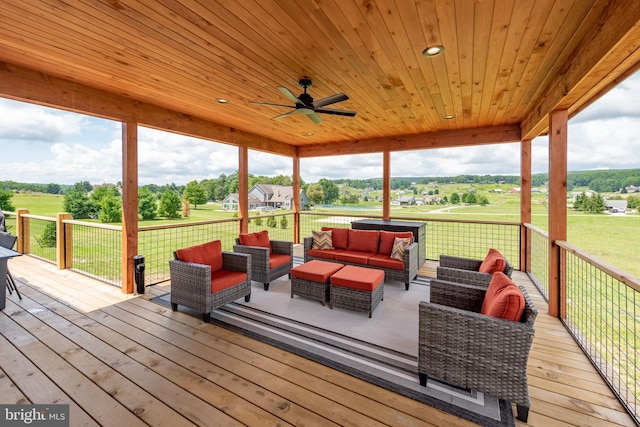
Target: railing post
column 22, row 231
column 64, row 241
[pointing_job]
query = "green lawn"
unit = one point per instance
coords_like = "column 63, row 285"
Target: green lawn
column 608, row 237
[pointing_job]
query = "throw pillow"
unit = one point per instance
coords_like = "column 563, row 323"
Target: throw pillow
column 363, row 240
column 399, row 246
column 322, row 240
column 387, row 239
column 259, row 238
column 493, row 262
column 503, row 299
column 207, row 254
column 339, row 237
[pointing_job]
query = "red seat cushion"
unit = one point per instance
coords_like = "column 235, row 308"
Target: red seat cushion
column 259, row 238
column 276, row 260
column 315, row 270
column 385, row 261
column 339, row 237
column 363, row 240
column 355, row 257
column 503, row 299
column 493, row 262
column 326, row 253
column 223, row 279
column 207, row 254
column 387, row 238
column 363, row 279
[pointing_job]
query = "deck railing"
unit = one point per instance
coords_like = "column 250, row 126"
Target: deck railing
column 602, row 312
column 602, row 309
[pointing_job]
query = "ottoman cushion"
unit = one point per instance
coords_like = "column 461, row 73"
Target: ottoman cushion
column 315, row 271
column 362, row 279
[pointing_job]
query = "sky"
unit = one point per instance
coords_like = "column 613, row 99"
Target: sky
column 44, row 145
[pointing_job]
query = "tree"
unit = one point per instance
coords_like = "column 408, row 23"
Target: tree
column 195, row 194
column 455, row 198
column 103, row 191
column 53, row 189
column 110, row 209
column 5, row 202
column 315, row 193
column 271, row 222
column 284, row 223
column 48, row 236
column 170, row 204
column 78, row 204
column 83, row 186
column 147, row 204
column 483, row 201
column 330, row 190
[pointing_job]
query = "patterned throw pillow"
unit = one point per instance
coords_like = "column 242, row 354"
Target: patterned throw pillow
column 322, row 240
column 399, row 246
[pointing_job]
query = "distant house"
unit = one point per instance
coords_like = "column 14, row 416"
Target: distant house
column 406, row 200
column 515, row 190
column 632, row 189
column 616, row 206
column 264, row 196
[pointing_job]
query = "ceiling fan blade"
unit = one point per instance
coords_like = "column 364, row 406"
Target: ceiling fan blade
column 280, row 116
column 289, row 95
column 269, row 104
column 314, row 117
column 338, row 97
column 347, row 113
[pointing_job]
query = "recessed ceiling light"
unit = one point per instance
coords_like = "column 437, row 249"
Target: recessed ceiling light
column 449, row 116
column 432, row 51
column 222, row 101
column 308, row 134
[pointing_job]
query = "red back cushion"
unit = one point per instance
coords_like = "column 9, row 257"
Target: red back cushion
column 503, row 299
column 387, row 239
column 339, row 237
column 493, row 262
column 363, row 240
column 207, row 254
column 259, row 238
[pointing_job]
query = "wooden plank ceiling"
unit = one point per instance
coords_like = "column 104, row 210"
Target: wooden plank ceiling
column 506, row 62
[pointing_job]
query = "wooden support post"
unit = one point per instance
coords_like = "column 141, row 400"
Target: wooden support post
column 129, row 203
column 525, row 204
column 64, row 242
column 386, row 185
column 243, row 188
column 296, row 199
column 558, row 121
column 23, row 231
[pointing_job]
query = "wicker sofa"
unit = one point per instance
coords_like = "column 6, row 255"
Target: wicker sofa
column 368, row 248
column 468, row 270
column 463, row 347
column 204, row 278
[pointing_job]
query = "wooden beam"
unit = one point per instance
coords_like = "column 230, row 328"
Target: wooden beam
column 619, row 26
column 129, row 203
column 558, row 122
column 525, row 204
column 34, row 87
column 296, row 199
column 243, row 188
column 386, row 185
column 444, row 139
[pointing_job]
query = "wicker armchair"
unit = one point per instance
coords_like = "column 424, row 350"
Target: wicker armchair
column 462, row 347
column 263, row 268
column 191, row 284
column 466, row 270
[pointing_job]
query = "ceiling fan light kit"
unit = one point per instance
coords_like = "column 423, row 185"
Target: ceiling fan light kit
column 304, row 103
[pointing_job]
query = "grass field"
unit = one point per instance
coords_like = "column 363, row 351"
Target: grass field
column 612, row 238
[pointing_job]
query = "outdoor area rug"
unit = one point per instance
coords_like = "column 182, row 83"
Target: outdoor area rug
column 352, row 352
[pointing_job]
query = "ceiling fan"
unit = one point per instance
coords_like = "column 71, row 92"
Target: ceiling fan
column 304, row 104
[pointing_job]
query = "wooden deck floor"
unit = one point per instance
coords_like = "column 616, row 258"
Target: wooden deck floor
column 124, row 361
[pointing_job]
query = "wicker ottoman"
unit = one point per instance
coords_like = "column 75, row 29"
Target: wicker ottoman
column 357, row 288
column 311, row 279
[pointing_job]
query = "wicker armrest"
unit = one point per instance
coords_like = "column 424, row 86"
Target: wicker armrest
column 281, row 247
column 460, row 262
column 234, row 261
column 259, row 255
column 457, row 295
column 190, row 278
column 457, row 275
